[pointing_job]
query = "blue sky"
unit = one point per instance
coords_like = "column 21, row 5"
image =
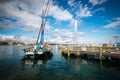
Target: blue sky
column 98, row 21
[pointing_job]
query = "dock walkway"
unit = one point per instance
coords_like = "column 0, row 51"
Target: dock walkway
column 90, row 50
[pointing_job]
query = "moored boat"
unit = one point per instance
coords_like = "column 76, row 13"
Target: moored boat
column 40, row 48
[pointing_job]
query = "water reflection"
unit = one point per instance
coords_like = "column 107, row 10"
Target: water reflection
column 35, row 61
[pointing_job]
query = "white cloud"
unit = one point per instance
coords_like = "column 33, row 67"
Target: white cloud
column 81, row 33
column 71, row 2
column 72, row 23
column 118, row 18
column 26, row 15
column 5, row 37
column 59, row 36
column 28, row 12
column 96, row 30
column 59, row 14
column 96, row 2
column 12, row 38
column 113, row 24
column 84, row 11
column 67, row 36
column 113, row 39
column 62, row 36
column 99, row 9
column 63, row 32
column 7, row 24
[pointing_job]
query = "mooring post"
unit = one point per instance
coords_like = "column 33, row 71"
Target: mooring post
column 68, row 51
column 100, row 53
column 78, row 53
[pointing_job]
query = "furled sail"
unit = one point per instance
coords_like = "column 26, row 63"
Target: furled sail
column 42, row 27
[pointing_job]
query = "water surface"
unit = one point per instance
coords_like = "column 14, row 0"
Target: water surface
column 12, row 67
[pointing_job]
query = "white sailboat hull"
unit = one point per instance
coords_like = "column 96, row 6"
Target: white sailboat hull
column 29, row 53
column 32, row 53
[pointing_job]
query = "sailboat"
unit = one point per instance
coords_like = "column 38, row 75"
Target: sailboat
column 41, row 48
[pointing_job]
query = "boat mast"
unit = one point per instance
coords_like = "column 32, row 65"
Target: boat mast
column 42, row 27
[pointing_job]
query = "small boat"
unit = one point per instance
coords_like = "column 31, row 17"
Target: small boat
column 40, row 48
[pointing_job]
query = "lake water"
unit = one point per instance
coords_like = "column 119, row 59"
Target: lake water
column 12, row 67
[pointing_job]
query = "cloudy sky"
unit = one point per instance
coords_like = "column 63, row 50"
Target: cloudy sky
column 98, row 20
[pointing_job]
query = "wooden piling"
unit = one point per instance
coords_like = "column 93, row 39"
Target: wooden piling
column 68, row 51
column 78, row 51
column 100, row 53
column 92, row 50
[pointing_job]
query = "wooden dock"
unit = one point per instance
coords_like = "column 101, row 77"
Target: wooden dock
column 90, row 50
